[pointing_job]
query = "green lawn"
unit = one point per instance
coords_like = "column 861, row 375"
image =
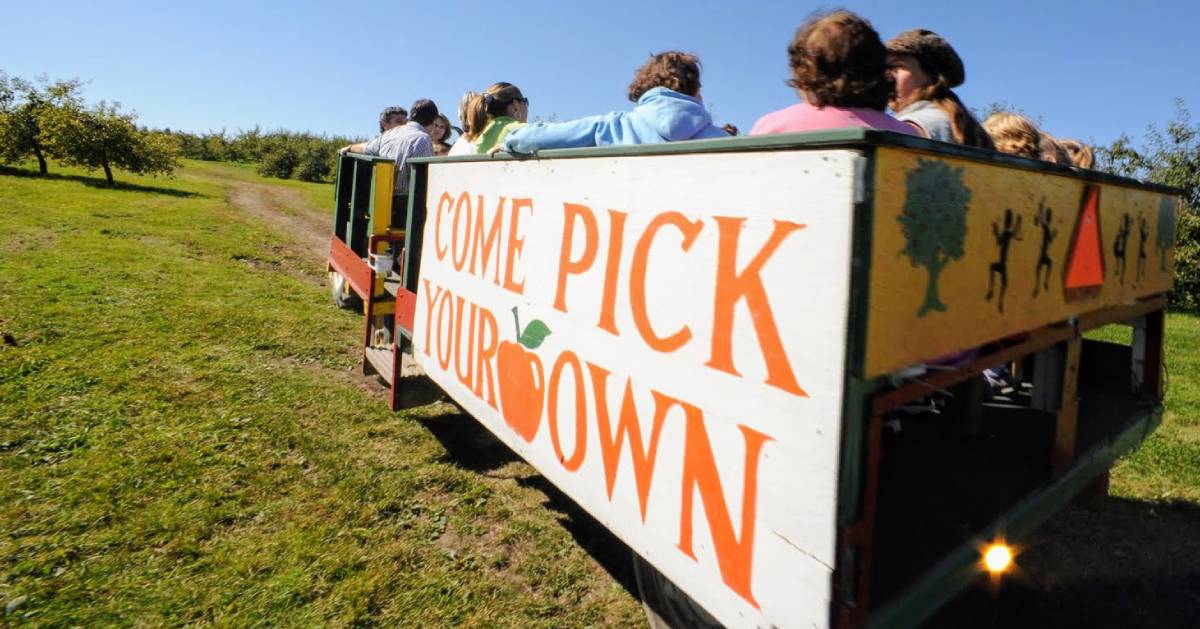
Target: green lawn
column 1167, row 466
column 184, row 438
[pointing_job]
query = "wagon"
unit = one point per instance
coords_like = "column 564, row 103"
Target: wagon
column 812, row 380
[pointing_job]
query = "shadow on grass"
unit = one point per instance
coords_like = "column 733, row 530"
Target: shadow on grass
column 1112, row 562
column 471, row 446
column 97, row 182
column 611, row 553
column 468, row 444
column 1108, row 562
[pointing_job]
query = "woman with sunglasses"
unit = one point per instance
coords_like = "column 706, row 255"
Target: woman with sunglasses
column 489, row 116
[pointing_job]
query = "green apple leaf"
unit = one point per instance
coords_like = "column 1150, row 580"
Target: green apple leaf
column 534, row 334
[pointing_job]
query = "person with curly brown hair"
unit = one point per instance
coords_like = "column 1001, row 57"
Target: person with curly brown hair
column 839, row 66
column 667, row 92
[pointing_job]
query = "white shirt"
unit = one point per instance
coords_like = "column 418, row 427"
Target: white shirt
column 462, row 146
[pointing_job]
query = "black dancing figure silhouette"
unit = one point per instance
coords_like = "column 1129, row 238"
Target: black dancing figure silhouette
column 1143, row 235
column 1004, row 237
column 1121, row 246
column 1043, row 218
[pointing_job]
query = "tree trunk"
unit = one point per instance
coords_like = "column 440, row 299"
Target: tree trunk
column 107, row 171
column 932, row 300
column 37, row 152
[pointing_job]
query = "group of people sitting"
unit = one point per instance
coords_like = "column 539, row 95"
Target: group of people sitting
column 845, row 74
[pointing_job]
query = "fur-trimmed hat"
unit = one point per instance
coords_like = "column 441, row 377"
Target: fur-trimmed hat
column 933, row 52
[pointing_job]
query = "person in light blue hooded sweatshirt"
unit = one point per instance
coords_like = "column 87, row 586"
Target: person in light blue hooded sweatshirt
column 667, row 92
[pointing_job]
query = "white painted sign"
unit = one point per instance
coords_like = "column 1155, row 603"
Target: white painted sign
column 663, row 338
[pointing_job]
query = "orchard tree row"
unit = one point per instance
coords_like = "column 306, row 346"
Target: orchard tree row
column 49, row 120
column 281, row 154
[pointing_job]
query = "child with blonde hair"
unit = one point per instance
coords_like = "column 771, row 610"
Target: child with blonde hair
column 1014, row 134
column 1081, row 154
column 1052, row 151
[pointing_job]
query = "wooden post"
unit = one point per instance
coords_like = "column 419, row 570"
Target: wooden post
column 973, row 413
column 1068, row 410
column 1152, row 355
column 1047, row 375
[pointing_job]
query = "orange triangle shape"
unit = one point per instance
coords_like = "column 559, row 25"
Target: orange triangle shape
column 1086, row 266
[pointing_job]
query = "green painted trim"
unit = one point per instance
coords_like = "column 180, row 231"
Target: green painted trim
column 724, row 145
column 370, row 158
column 856, row 408
column 343, row 186
column 855, row 401
column 848, row 138
column 358, row 228
column 414, row 226
column 371, row 203
column 960, row 567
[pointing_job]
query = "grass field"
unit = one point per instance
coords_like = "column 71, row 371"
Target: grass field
column 184, row 440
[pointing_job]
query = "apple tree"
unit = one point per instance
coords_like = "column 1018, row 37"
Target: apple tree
column 105, row 137
column 24, row 108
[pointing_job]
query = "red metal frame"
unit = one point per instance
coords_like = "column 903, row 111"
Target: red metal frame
column 406, row 309
column 360, row 275
column 357, row 272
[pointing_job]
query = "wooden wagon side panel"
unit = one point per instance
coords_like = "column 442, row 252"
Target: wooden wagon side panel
column 663, row 337
column 965, row 253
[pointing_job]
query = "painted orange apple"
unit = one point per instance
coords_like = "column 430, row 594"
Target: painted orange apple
column 522, row 380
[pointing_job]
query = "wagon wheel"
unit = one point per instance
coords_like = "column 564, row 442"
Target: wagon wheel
column 343, row 297
column 667, row 606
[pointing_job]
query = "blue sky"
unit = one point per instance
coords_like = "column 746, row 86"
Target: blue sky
column 1090, row 70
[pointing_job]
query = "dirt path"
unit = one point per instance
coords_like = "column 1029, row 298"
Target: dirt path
column 286, row 210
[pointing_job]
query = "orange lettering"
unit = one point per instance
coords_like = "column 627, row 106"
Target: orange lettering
column 483, row 356
column 459, row 345
column 465, row 199
column 610, row 446
column 429, row 311
column 515, row 244
column 637, row 279
column 447, row 201
column 616, row 238
column 734, row 556
column 573, row 463
column 444, row 354
column 488, row 243
column 732, row 287
column 566, row 265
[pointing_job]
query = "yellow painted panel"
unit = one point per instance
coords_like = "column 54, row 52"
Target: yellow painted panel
column 949, row 220
column 385, row 175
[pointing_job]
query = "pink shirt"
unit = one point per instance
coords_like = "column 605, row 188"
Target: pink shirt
column 805, row 117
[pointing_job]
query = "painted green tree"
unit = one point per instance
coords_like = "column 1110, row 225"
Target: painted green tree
column 1166, row 230
column 934, row 222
